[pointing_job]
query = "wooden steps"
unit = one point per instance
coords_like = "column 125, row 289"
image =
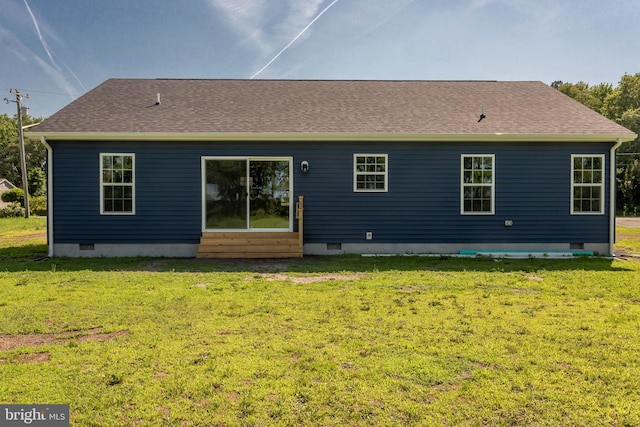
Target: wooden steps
column 249, row 245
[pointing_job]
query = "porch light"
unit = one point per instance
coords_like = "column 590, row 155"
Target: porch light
column 304, row 167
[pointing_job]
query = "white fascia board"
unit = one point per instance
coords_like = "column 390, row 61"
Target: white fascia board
column 206, row 136
column 50, row 207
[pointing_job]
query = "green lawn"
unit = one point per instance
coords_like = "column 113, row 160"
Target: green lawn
column 340, row 341
column 628, row 240
column 14, row 230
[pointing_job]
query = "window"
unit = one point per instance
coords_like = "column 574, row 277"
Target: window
column 477, row 187
column 587, row 184
column 370, row 172
column 117, row 192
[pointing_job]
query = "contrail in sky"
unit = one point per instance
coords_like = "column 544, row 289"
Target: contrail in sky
column 294, row 39
column 44, row 44
column 74, row 76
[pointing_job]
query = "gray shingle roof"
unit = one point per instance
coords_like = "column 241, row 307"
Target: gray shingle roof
column 327, row 107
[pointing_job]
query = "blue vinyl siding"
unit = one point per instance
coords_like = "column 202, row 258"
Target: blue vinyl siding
column 422, row 205
column 167, row 195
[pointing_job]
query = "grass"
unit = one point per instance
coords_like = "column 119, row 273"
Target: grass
column 628, row 240
column 14, row 231
column 321, row 341
column 22, row 239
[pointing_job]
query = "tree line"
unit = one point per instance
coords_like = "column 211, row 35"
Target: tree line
column 36, row 155
column 622, row 105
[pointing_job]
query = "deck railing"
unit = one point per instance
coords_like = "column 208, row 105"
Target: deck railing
column 300, row 218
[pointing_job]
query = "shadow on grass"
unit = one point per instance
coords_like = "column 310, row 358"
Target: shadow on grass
column 33, row 258
column 22, row 253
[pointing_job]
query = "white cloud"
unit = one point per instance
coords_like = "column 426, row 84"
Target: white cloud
column 245, row 18
column 299, row 14
column 13, row 45
column 479, row 4
column 541, row 11
column 267, row 25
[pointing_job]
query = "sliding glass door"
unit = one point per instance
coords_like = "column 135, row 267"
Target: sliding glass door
column 246, row 194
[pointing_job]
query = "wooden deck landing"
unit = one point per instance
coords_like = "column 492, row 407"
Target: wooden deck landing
column 249, row 245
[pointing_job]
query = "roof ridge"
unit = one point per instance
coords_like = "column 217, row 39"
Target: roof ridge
column 329, row 80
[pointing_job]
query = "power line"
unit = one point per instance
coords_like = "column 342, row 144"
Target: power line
column 40, row 91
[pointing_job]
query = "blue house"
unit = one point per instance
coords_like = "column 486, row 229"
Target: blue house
column 270, row 168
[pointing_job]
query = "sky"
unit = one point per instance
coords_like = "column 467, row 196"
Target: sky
column 55, row 51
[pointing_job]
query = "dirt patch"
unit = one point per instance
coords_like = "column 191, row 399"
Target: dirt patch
column 155, row 265
column 11, row 342
column 625, row 236
column 623, row 256
column 628, row 222
column 312, row 279
column 31, row 236
column 34, row 357
column 523, row 291
column 414, row 288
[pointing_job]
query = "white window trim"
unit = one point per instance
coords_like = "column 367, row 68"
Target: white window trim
column 601, row 185
column 492, row 185
column 133, row 184
column 355, row 173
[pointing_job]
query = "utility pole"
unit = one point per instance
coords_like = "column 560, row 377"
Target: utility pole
column 23, row 157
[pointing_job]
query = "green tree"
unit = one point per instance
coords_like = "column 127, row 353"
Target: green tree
column 625, row 98
column 15, row 195
column 10, row 150
column 592, row 96
column 628, row 175
column 622, row 105
column 37, row 182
